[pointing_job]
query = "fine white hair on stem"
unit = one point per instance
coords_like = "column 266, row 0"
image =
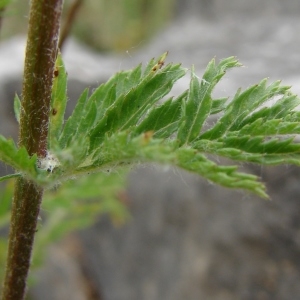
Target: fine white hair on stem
column 49, row 163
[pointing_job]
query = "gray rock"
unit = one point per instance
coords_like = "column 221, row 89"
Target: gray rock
column 190, row 240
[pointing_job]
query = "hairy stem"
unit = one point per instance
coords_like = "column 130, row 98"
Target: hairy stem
column 25, row 212
column 40, row 57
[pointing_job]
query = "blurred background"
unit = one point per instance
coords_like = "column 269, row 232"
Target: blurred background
column 168, row 235
column 104, row 25
column 120, row 25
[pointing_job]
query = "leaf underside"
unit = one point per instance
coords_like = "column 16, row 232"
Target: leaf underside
column 125, row 121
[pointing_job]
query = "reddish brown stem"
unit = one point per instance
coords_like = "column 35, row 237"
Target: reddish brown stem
column 41, row 52
column 25, row 213
column 40, row 57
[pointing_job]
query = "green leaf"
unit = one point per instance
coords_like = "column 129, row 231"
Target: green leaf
column 218, row 105
column 190, row 160
column 90, row 111
column 71, row 157
column 257, row 144
column 126, row 121
column 253, row 149
column 144, row 148
column 18, row 158
column 58, row 101
column 270, row 127
column 106, row 94
column 127, row 150
column 195, row 110
column 121, row 123
column 5, row 203
column 79, row 202
column 72, row 124
column 132, row 105
column 242, row 105
column 163, row 119
column 155, row 64
column 17, row 107
column 279, row 110
column 119, row 103
column 10, row 176
column 199, row 102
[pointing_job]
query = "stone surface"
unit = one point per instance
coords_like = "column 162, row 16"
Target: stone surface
column 191, row 240
column 187, row 239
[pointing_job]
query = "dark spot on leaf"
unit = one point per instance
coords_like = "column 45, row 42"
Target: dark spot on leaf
column 148, row 135
column 158, row 66
column 56, row 72
column 54, row 111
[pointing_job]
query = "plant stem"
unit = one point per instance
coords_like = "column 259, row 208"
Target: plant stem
column 40, row 57
column 25, row 211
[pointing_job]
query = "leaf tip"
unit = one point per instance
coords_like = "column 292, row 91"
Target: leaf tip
column 160, row 63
